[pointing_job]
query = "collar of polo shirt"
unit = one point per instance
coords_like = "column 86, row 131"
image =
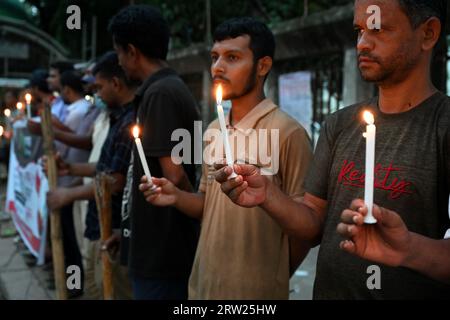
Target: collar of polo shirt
column 251, row 119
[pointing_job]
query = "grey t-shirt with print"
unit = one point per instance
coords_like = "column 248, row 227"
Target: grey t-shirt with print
column 411, row 178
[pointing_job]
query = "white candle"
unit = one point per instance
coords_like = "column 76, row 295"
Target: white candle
column 223, row 129
column 138, row 142
column 7, row 114
column 19, row 107
column 370, row 166
column 28, row 100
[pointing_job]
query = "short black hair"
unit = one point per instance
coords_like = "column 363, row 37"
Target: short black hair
column 72, row 79
column 39, row 80
column 262, row 40
column 144, row 27
column 62, row 66
column 108, row 67
column 419, row 11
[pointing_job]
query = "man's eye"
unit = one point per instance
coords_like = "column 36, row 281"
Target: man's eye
column 213, row 58
column 232, row 58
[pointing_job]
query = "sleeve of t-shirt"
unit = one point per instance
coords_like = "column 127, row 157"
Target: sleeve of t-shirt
column 295, row 159
column 205, row 171
column 316, row 182
column 162, row 116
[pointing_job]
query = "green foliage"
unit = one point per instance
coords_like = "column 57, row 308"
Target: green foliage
column 187, row 18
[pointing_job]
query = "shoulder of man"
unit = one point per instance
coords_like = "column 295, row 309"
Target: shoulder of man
column 286, row 124
column 444, row 110
column 173, row 88
column 169, row 84
column 344, row 118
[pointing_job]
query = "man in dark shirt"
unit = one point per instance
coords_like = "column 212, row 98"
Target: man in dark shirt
column 118, row 93
column 411, row 170
column 163, row 240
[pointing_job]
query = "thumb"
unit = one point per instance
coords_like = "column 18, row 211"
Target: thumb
column 160, row 181
column 245, row 169
column 387, row 217
column 108, row 242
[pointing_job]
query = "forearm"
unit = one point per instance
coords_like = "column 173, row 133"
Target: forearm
column 82, row 169
column 190, row 204
column 429, row 257
column 73, row 140
column 83, row 192
column 296, row 218
column 60, row 126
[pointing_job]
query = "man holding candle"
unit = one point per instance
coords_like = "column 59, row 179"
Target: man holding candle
column 411, row 169
column 242, row 252
column 163, row 240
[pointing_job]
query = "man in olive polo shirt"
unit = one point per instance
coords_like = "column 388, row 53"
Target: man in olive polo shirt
column 242, row 253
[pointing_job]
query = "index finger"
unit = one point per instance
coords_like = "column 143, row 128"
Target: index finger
column 358, row 204
column 222, row 175
column 352, row 217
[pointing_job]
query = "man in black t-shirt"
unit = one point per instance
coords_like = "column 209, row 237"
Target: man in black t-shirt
column 162, row 241
column 404, row 255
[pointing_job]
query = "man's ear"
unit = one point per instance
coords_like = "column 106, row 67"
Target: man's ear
column 431, row 32
column 116, row 83
column 264, row 66
column 132, row 51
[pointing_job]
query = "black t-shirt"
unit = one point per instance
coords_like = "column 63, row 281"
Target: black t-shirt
column 163, row 240
column 411, row 178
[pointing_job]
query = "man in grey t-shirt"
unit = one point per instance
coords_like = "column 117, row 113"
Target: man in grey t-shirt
column 405, row 247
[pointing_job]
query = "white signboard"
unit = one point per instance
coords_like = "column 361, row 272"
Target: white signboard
column 295, row 97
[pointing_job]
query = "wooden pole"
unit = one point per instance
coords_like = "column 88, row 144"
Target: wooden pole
column 55, row 218
column 103, row 200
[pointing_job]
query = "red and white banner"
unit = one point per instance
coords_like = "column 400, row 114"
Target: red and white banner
column 27, row 189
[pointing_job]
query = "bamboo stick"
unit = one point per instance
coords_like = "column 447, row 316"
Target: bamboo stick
column 55, row 218
column 103, row 200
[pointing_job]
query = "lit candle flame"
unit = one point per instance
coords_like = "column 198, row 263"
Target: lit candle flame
column 219, row 94
column 368, row 117
column 19, row 106
column 28, row 98
column 7, row 112
column 136, row 131
column 1, row 131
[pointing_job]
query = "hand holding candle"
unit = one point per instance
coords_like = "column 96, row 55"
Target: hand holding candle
column 370, row 166
column 223, row 128
column 138, row 142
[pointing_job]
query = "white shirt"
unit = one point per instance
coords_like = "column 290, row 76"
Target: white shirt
column 76, row 112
